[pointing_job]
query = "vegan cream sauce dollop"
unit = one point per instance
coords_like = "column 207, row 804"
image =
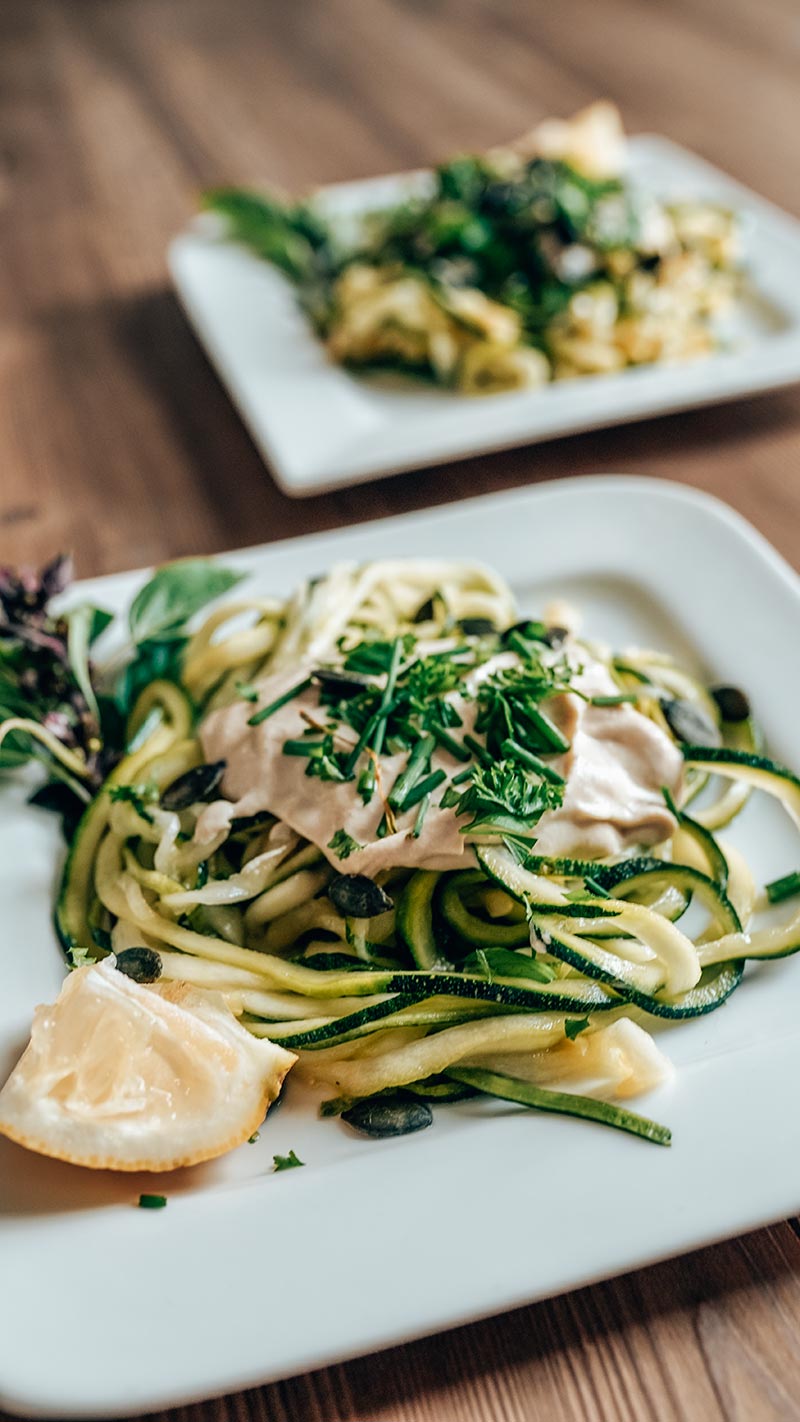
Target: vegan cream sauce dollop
column 615, row 769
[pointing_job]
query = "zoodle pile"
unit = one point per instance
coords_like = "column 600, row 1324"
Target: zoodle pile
column 533, row 262
column 397, row 871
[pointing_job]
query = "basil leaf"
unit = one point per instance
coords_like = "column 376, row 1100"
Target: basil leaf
column 175, row 593
column 154, row 661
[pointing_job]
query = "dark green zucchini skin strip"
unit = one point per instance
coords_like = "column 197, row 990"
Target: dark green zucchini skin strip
column 625, row 878
column 504, row 993
column 467, row 924
column 724, row 755
column 706, row 841
column 697, row 1002
column 608, row 876
column 562, row 1103
column 412, row 988
column 69, row 914
column 348, row 1026
column 415, row 920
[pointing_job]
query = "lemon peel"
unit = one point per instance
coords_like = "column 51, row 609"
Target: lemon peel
column 118, row 1076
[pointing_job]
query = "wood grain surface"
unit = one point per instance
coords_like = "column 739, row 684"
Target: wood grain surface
column 117, row 441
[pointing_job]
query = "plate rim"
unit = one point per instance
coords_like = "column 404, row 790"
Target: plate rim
column 37, row 1398
column 726, row 376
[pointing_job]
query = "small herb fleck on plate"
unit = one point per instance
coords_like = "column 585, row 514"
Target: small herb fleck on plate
column 286, row 1162
column 152, row 1202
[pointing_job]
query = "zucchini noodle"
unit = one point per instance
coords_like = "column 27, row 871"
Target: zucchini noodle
column 543, row 968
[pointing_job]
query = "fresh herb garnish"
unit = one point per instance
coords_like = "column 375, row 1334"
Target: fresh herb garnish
column 283, row 700
column 533, row 762
column 421, row 789
column 424, row 806
column 784, row 888
column 508, row 705
column 619, row 700
column 152, row 1202
column 174, row 594
column 504, row 796
column 343, row 844
column 286, row 1162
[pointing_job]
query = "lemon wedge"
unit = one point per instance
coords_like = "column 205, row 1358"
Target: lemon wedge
column 118, row 1076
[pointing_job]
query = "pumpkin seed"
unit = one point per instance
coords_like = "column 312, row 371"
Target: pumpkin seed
column 196, row 785
column 384, row 1116
column 356, row 896
column 141, row 964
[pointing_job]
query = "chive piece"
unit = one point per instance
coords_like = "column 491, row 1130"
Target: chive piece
column 477, row 749
column 508, row 1088
column 450, row 798
column 152, row 1202
column 421, row 789
column 619, row 700
column 520, row 644
column 376, row 725
column 301, row 747
column 462, row 775
column 418, row 761
column 546, row 728
column 421, row 813
column 784, row 888
column 388, row 693
column 366, row 782
column 450, row 743
column 280, row 701
column 361, row 742
column 513, row 751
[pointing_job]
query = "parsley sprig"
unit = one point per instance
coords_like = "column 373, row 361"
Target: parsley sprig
column 503, row 799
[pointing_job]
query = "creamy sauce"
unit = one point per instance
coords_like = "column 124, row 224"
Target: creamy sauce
column 615, row 768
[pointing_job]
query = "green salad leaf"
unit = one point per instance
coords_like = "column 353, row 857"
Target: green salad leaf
column 174, row 594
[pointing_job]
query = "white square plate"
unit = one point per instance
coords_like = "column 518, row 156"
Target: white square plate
column 321, row 427
column 248, row 1276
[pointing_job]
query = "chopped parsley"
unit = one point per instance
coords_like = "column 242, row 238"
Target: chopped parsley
column 503, row 796
column 343, row 844
column 286, row 1162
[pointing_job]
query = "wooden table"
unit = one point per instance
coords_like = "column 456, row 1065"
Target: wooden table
column 117, row 441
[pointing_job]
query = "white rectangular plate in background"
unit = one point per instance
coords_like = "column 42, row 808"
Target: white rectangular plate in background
column 321, row 427
column 249, row 1276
